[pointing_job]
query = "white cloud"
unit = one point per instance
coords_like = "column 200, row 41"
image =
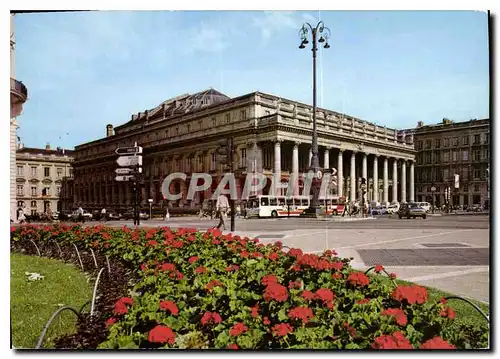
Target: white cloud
column 205, row 38
column 273, row 22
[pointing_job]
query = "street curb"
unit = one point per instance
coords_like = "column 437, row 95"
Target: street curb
column 345, row 219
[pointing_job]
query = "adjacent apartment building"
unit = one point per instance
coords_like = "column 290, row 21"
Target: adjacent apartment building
column 272, row 135
column 447, row 149
column 44, row 178
column 18, row 96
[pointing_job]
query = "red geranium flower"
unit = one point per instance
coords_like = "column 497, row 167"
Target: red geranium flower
column 378, row 268
column 193, row 259
column 200, row 270
column 337, row 265
column 120, row 305
column 237, row 329
column 363, row 301
column 268, row 279
column 443, row 301
column 215, row 242
column 144, row 267
column 358, row 278
column 325, row 294
column 302, row 313
column 350, row 330
column 213, row 283
column 437, row 343
column 161, row 334
column 295, row 252
column 233, row 346
column 448, row 312
column 400, row 316
column 110, row 321
column 395, row 341
column 266, row 321
column 211, row 318
column 393, row 276
column 255, row 311
column 167, row 267
column 244, row 254
column 412, row 294
column 273, row 256
column 337, row 275
column 307, row 295
column 281, row 330
column 232, row 267
column 275, row 291
column 297, row 284
column 170, row 306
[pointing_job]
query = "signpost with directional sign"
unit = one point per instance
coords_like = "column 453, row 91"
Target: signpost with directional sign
column 131, row 161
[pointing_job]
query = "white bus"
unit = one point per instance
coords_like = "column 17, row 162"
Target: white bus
column 276, row 206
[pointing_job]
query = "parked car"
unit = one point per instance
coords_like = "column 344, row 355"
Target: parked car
column 55, row 215
column 475, row 208
column 130, row 215
column 393, row 208
column 86, row 214
column 113, row 216
column 410, row 210
column 425, row 205
column 380, row 210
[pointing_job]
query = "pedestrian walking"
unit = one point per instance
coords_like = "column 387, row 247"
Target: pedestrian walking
column 21, row 218
column 238, row 211
column 103, row 214
column 222, row 207
column 81, row 217
column 167, row 215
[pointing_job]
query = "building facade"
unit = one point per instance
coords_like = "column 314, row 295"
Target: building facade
column 448, row 149
column 41, row 175
column 272, row 135
column 18, row 96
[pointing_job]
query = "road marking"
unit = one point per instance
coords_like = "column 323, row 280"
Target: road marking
column 305, row 234
column 447, row 274
column 406, row 239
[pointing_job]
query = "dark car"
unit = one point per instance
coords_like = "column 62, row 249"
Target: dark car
column 130, row 215
column 113, row 216
column 411, row 210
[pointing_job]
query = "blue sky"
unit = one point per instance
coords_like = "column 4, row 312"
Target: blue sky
column 85, row 70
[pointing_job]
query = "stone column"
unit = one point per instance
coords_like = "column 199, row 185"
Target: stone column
column 295, row 168
column 353, row 177
column 364, row 167
column 277, row 167
column 412, row 181
column 386, row 180
column 340, row 173
column 395, row 181
column 403, row 181
column 310, row 157
column 375, row 179
column 326, row 163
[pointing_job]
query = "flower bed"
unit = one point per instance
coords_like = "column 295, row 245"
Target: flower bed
column 208, row 290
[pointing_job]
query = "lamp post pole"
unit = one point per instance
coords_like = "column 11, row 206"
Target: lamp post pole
column 324, row 34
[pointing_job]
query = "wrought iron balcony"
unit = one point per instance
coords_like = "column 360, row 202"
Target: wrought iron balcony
column 18, row 89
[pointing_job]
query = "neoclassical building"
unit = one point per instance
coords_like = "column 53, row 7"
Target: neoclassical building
column 41, row 177
column 272, row 135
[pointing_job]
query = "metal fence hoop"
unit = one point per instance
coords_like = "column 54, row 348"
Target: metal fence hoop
column 58, row 247
column 38, row 250
column 79, row 258
column 95, row 292
column 93, row 255
column 109, row 267
column 473, row 305
column 49, row 322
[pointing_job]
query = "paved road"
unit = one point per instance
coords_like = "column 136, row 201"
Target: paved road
column 446, row 252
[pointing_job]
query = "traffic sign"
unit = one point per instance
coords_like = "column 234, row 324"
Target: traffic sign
column 128, row 150
column 319, row 174
column 123, row 171
column 124, row 178
column 129, row 161
column 433, row 189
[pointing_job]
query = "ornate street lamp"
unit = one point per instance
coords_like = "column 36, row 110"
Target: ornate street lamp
column 323, row 33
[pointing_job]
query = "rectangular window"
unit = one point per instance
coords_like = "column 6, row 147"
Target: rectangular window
column 477, row 173
column 477, row 155
column 214, row 122
column 455, row 141
column 455, row 156
column 466, row 187
column 465, row 155
column 59, row 172
column 476, row 188
column 465, row 140
column 446, row 142
column 243, row 157
column 33, row 171
column 33, row 191
column 19, row 170
column 446, row 156
column 46, row 191
column 58, row 190
column 420, row 145
column 46, row 171
column 477, row 139
column 188, row 128
column 465, row 173
column 437, row 143
column 71, row 172
column 243, row 115
column 33, row 212
column 486, row 139
column 228, row 118
column 428, row 144
column 213, row 162
column 485, row 154
column 446, row 173
column 20, row 190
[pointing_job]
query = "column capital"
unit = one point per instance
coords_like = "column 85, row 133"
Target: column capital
column 278, row 142
column 354, row 153
column 296, row 143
